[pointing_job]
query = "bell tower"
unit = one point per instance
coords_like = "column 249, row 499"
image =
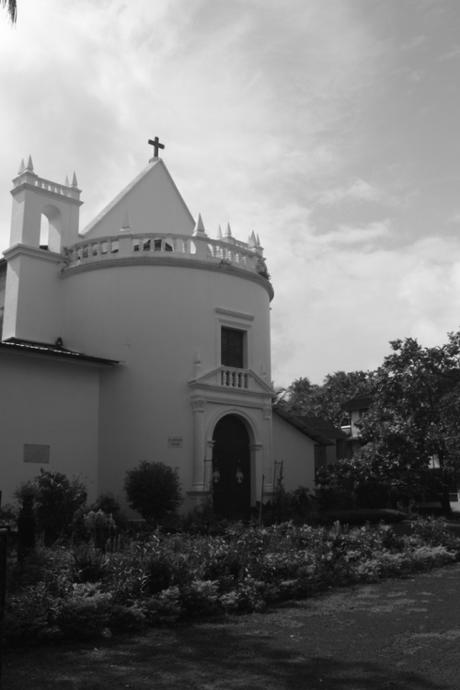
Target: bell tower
column 33, row 294
column 33, row 196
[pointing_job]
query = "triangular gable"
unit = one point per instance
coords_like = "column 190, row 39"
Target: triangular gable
column 151, row 203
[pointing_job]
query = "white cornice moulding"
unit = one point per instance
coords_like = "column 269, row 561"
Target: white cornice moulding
column 35, row 252
column 234, row 314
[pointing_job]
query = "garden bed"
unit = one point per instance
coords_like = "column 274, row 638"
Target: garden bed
column 82, row 592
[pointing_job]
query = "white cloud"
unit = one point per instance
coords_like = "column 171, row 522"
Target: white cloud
column 452, row 54
column 346, row 234
column 337, row 305
column 358, row 190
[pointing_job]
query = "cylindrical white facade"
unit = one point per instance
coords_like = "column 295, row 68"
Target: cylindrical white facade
column 162, row 320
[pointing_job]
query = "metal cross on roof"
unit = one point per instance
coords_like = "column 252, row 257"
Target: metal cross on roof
column 156, row 145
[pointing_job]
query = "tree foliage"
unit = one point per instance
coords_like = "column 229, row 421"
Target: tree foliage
column 410, row 434
column 326, row 400
column 56, row 499
column 153, row 490
column 413, row 424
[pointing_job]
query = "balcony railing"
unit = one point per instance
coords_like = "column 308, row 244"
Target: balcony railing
column 234, row 378
column 133, row 246
column 29, row 177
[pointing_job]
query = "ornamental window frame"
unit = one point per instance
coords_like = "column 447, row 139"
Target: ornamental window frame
column 237, row 321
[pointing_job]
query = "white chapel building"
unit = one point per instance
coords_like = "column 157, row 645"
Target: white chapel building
column 142, row 338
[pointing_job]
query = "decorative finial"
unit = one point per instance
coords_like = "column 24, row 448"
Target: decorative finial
column 258, row 240
column 67, row 183
column 219, row 233
column 199, row 226
column 197, row 364
column 228, row 232
column 252, row 242
column 30, row 165
column 74, row 180
column 22, row 167
column 156, row 145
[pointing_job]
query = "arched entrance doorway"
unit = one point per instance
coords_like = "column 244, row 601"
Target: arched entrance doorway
column 231, row 472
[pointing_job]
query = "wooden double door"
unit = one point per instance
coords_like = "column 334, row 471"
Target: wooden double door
column 231, row 471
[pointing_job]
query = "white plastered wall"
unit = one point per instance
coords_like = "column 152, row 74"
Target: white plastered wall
column 33, row 297
column 297, row 452
column 55, row 404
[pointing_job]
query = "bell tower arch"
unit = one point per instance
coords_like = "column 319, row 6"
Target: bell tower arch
column 34, row 196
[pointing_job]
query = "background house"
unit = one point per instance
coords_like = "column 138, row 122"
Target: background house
column 325, row 447
column 354, row 409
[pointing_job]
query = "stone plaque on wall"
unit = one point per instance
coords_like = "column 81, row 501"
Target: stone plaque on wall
column 175, row 441
column 36, row 452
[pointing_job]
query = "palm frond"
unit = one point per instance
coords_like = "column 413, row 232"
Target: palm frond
column 12, row 8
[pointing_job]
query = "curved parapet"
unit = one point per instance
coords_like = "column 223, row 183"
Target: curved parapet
column 175, row 249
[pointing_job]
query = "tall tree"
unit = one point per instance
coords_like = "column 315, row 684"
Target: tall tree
column 413, row 424
column 12, row 8
column 327, row 400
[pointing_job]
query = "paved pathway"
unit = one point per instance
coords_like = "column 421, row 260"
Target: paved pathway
column 395, row 635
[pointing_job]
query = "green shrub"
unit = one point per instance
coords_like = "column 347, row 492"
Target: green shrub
column 52, row 566
column 90, row 563
column 435, row 532
column 126, row 618
column 372, row 494
column 352, row 483
column 164, row 607
column 362, row 516
column 26, row 525
column 85, row 614
column 203, row 520
column 101, row 526
column 249, row 595
column 200, row 598
column 56, row 501
column 126, row 577
column 153, row 490
column 96, row 525
column 298, row 506
column 30, row 615
column 110, row 506
column 160, row 575
column 8, row 515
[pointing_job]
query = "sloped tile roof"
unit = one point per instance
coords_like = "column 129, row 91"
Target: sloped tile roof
column 316, row 428
column 52, row 350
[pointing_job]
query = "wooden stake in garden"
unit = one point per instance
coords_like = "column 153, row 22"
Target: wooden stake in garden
column 261, row 500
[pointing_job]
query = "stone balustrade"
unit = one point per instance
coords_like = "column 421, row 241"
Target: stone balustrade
column 126, row 245
column 31, row 178
column 234, row 378
column 55, row 187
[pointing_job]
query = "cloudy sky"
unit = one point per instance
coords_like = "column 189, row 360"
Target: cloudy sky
column 330, row 127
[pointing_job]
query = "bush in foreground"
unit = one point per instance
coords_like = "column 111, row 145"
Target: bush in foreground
column 153, row 490
column 56, row 499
